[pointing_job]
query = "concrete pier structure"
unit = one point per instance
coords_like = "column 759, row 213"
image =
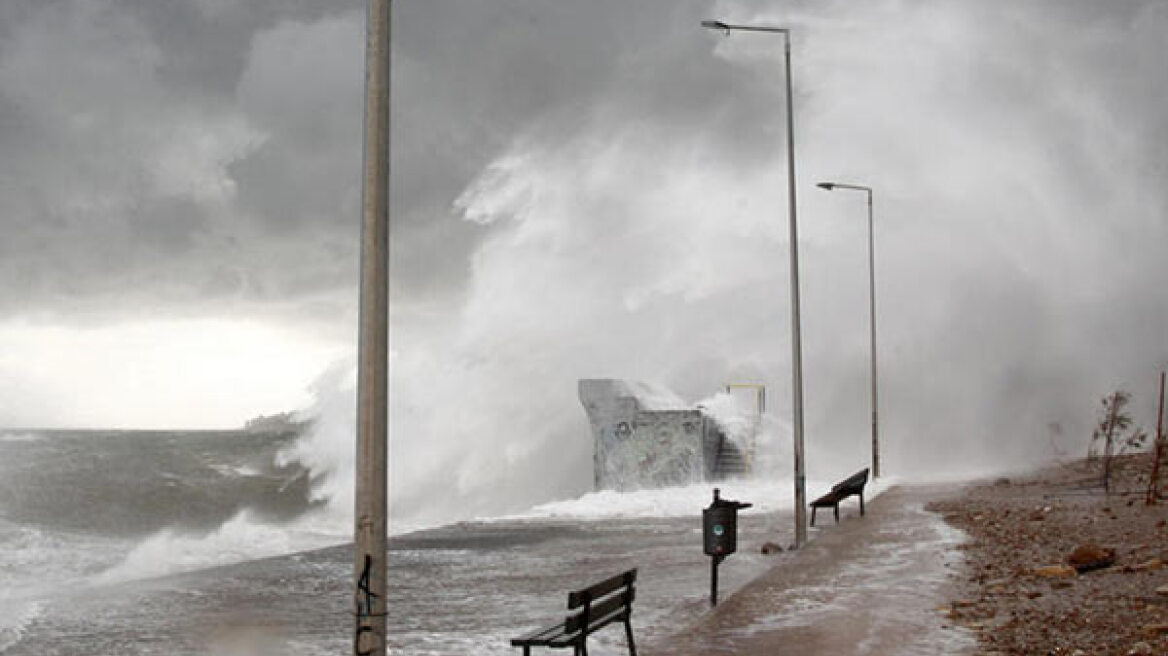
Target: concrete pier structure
column 644, row 436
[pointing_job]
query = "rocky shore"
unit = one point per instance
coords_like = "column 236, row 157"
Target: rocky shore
column 1055, row 565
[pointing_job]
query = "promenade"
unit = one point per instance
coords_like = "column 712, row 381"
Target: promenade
column 872, row 585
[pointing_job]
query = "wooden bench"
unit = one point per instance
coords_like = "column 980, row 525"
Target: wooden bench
column 852, row 485
column 589, row 610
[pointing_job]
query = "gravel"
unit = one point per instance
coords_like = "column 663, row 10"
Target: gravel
column 1019, row 591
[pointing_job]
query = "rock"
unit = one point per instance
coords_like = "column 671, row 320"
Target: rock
column 1002, row 481
column 1156, row 629
column 1088, row 557
column 771, row 547
column 1162, row 591
column 1054, row 571
column 1140, row 649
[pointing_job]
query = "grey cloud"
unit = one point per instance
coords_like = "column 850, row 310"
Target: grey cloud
column 186, row 157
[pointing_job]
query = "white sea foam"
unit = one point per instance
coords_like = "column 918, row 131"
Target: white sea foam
column 235, row 471
column 15, row 617
column 242, row 538
column 767, row 496
column 730, row 415
column 22, row 436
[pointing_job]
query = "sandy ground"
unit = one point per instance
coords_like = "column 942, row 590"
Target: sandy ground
column 1019, row 525
column 870, row 585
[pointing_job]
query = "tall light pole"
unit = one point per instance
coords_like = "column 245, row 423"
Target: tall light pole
column 370, row 521
column 872, row 316
column 796, row 340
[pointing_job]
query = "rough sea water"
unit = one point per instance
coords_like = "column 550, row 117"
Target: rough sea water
column 146, row 542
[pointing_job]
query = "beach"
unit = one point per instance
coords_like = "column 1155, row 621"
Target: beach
column 1020, row 593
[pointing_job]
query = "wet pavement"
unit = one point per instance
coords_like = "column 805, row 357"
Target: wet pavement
column 870, row 585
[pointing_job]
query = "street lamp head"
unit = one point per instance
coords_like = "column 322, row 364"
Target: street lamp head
column 716, row 25
column 826, row 185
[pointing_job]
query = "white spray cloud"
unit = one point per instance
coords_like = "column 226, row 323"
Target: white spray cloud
column 620, row 245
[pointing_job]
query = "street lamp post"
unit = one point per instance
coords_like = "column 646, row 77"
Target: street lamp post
column 872, row 316
column 796, row 340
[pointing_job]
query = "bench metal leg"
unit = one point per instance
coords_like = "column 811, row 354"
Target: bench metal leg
column 629, row 637
column 861, row 504
column 813, row 509
column 836, row 508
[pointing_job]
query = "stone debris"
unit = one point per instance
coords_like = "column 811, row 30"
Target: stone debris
column 1089, row 557
column 1059, row 567
column 771, row 547
column 1156, row 629
column 1055, row 571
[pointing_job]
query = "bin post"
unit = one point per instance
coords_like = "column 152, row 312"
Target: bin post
column 714, row 562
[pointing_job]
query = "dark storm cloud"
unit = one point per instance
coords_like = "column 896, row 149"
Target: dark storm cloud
column 201, row 157
column 149, row 145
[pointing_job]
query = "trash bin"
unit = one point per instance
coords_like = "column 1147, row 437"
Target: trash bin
column 720, row 534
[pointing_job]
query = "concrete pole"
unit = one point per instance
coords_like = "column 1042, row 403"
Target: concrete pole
column 371, row 524
column 872, row 319
column 796, row 335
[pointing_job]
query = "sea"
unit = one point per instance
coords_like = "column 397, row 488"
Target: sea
column 209, row 542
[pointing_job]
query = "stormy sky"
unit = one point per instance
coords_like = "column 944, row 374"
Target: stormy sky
column 587, row 189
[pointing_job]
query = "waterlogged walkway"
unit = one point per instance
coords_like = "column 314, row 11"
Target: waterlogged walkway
column 869, row 586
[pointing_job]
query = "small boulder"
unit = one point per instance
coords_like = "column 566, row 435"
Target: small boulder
column 1055, row 571
column 1090, row 557
column 1156, row 629
column 771, row 547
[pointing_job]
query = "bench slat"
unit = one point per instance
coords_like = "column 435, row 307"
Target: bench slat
column 539, row 637
column 593, row 627
column 594, row 592
column 829, row 499
column 599, row 611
